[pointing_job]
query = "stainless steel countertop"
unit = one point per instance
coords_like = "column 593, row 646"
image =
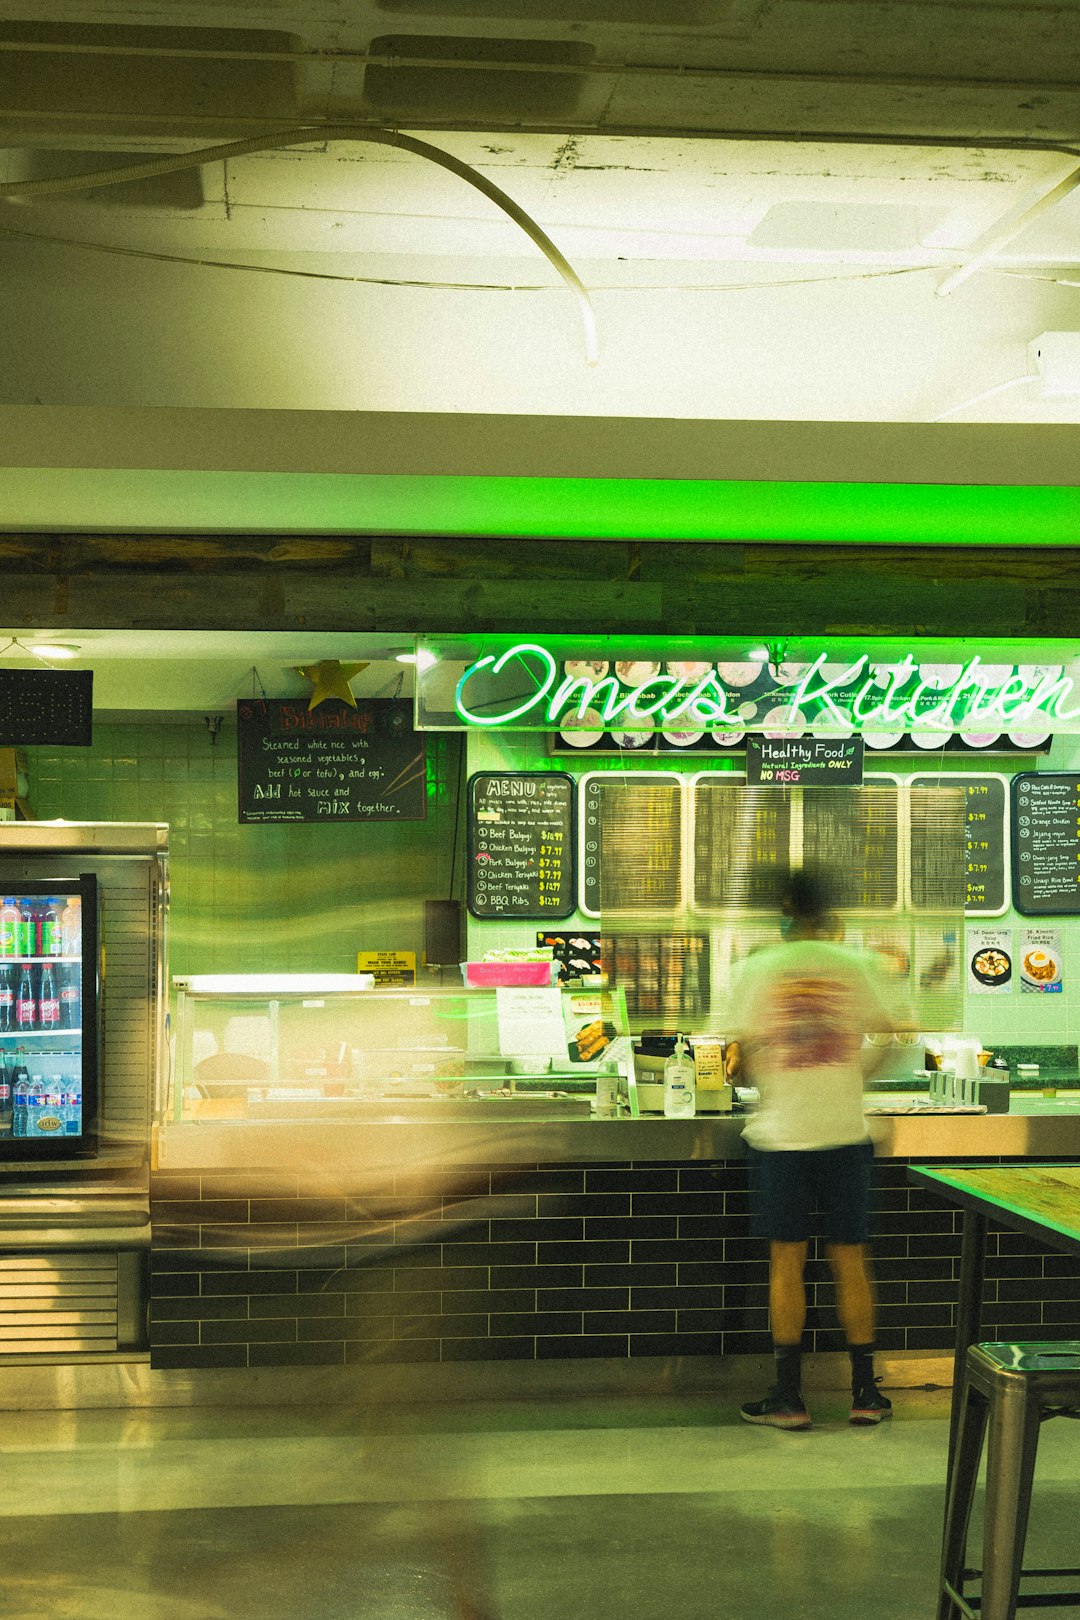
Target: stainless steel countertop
column 1037, row 1127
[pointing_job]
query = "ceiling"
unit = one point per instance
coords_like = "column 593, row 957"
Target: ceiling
column 839, row 210
column 143, row 671
column 765, row 198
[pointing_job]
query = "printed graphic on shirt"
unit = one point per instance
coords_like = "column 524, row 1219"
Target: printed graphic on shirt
column 815, row 1024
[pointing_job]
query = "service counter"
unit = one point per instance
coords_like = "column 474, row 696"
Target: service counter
column 1035, row 1127
column 415, row 1239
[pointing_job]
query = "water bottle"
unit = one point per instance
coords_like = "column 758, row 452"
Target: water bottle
column 35, row 1106
column 73, row 1105
column 19, row 1091
column 680, row 1099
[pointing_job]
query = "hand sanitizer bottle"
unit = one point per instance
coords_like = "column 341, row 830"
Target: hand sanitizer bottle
column 680, row 1100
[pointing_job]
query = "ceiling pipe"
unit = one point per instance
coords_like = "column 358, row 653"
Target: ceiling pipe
column 1000, row 235
column 93, row 180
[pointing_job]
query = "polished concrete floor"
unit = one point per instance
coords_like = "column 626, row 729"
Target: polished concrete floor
column 583, row 1508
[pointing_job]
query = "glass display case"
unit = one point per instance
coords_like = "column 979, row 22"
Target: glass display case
column 315, row 1047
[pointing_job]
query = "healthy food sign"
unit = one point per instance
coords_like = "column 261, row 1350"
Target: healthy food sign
column 527, row 687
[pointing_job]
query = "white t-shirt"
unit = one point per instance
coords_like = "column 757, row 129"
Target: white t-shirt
column 800, row 1011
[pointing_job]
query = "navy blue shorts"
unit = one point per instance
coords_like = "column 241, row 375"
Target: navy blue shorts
column 787, row 1187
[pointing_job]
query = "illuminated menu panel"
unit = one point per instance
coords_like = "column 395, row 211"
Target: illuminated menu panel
column 853, row 834
column 742, row 835
column 986, row 843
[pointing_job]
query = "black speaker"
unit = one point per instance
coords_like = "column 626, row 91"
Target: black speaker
column 442, row 932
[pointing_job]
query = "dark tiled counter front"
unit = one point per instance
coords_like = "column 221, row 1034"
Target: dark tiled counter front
column 309, row 1265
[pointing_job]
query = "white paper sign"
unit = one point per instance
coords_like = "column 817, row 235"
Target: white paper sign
column 1042, row 969
column 991, row 965
column 530, row 1023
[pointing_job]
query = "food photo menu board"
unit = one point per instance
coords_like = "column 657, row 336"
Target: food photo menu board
column 521, row 844
column 1046, row 841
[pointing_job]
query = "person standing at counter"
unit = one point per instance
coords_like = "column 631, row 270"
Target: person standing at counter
column 800, row 1012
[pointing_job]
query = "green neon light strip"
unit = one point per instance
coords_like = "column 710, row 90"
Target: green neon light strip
column 848, row 695
column 586, row 508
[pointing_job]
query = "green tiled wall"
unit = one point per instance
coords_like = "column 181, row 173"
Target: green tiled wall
column 258, row 899
column 1012, row 1019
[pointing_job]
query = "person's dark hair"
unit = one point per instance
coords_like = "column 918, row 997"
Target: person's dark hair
column 806, row 896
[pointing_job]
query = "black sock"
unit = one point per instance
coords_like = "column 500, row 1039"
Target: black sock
column 862, row 1366
column 788, row 1358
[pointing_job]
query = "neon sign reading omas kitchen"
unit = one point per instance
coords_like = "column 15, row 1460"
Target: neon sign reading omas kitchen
column 858, row 696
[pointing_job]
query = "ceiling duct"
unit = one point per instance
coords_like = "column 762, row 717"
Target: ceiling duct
column 451, row 93
column 140, row 73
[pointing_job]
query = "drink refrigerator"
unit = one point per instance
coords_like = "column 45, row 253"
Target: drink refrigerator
column 83, row 969
column 50, row 1059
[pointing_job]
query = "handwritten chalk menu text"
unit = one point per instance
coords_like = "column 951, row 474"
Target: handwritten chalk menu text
column 329, row 764
column 1046, row 842
column 986, row 842
column 796, row 761
column 521, row 844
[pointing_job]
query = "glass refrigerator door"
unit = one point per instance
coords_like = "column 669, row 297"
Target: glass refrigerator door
column 48, row 1019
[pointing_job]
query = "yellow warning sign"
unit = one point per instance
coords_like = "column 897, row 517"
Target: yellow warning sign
column 389, row 967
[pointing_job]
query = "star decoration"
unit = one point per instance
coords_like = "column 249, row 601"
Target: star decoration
column 330, row 679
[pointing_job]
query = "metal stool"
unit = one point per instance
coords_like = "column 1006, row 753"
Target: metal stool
column 1016, row 1387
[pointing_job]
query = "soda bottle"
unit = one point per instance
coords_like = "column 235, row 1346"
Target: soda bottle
column 5, row 1099
column 10, row 917
column 48, row 1000
column 51, row 930
column 25, row 1005
column 71, row 927
column 26, row 933
column 7, row 999
column 70, row 987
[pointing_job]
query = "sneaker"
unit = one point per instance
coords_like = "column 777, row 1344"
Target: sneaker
column 869, row 1405
column 777, row 1411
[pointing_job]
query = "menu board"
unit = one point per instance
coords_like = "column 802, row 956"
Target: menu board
column 521, row 844
column 797, row 761
column 853, row 835
column 1046, row 839
column 986, row 842
column 631, row 842
column 330, row 764
column 46, row 707
column 742, row 838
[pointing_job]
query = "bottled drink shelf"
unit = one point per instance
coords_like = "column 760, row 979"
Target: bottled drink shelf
column 39, row 1034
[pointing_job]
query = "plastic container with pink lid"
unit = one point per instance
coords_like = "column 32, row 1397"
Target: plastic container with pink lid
column 516, row 974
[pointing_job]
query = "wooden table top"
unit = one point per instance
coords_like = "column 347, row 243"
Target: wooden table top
column 1040, row 1198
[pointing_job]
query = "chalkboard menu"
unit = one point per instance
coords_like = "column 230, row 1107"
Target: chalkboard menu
column 521, row 844
column 1046, row 839
column 798, row 761
column 47, row 707
column 330, row 764
column 986, row 842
